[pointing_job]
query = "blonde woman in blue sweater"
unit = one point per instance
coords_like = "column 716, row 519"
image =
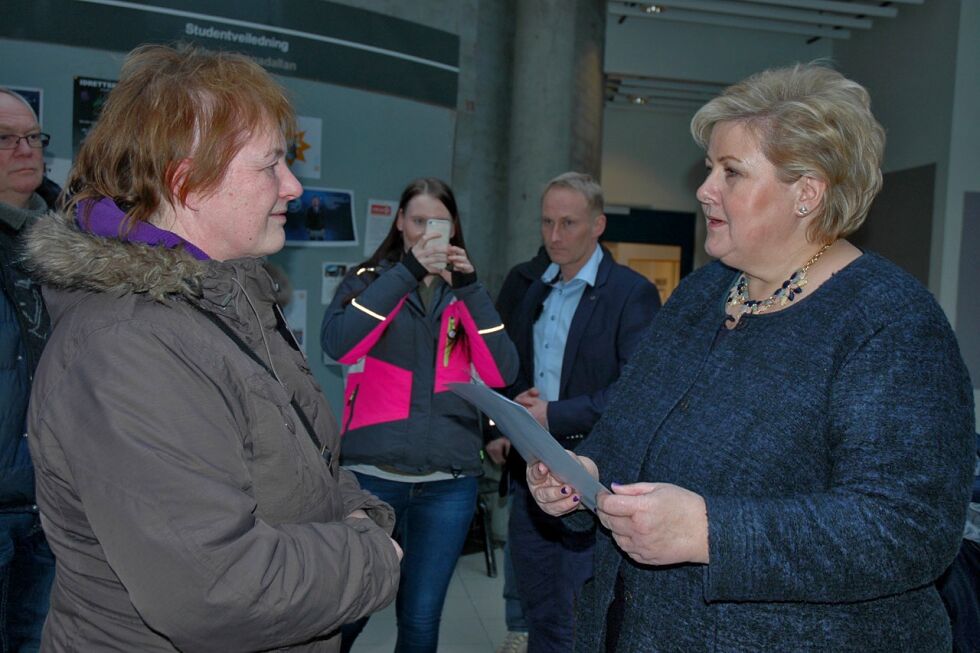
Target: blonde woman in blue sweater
column 798, row 475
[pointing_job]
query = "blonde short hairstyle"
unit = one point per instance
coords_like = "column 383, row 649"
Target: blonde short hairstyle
column 174, row 104
column 810, row 121
column 580, row 183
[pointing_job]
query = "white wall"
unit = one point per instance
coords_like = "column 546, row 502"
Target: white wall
column 707, row 53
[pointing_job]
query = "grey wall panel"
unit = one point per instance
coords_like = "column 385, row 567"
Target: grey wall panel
column 968, row 301
column 899, row 225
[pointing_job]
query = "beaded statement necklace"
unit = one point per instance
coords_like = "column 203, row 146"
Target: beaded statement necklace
column 738, row 296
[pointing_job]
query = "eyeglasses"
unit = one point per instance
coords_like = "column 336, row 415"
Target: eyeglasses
column 36, row 140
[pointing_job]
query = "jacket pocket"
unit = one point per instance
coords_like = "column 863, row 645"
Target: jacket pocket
column 276, row 446
column 379, row 393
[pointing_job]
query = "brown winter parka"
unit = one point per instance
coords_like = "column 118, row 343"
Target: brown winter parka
column 187, row 505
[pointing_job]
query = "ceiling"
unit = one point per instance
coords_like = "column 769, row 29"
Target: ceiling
column 810, row 19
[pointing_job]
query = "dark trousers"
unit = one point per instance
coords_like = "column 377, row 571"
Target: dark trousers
column 26, row 574
column 552, row 564
column 513, row 611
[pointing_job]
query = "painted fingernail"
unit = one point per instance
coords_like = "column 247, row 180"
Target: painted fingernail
column 615, row 484
column 575, row 499
column 564, row 490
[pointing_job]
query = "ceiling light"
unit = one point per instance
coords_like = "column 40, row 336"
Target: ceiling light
column 653, row 9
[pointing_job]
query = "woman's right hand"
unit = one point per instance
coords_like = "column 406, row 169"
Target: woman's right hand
column 430, row 257
column 552, row 496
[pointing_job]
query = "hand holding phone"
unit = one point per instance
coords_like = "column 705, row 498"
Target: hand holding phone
column 443, row 228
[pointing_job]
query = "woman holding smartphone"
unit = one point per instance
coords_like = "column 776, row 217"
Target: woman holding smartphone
column 408, row 321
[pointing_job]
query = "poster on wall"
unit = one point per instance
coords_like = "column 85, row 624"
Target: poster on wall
column 321, row 217
column 333, row 274
column 89, row 96
column 303, row 155
column 33, row 96
column 325, row 42
column 295, row 314
column 380, row 214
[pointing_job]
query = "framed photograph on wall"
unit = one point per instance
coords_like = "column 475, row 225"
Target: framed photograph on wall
column 321, row 217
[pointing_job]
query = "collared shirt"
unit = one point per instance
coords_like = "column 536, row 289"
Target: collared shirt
column 17, row 218
column 551, row 329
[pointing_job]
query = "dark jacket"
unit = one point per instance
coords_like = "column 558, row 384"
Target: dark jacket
column 521, row 277
column 180, row 490
column 608, row 323
column 398, row 410
column 518, row 280
column 24, row 328
column 833, row 445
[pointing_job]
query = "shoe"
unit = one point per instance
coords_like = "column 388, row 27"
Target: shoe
column 514, row 643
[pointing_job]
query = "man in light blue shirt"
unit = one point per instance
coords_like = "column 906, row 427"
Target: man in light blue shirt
column 574, row 329
column 551, row 329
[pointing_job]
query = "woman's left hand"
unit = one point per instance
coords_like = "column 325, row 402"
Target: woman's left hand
column 460, row 263
column 656, row 523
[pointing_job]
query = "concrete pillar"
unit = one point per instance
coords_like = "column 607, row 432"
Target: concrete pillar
column 480, row 176
column 556, row 114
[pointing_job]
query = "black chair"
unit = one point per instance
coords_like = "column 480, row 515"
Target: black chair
column 484, row 516
column 480, row 536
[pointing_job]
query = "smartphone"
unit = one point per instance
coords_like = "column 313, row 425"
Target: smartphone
column 443, row 228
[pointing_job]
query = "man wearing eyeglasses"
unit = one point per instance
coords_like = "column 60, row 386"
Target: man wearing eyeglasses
column 26, row 563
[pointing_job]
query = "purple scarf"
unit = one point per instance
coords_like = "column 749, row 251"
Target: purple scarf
column 105, row 219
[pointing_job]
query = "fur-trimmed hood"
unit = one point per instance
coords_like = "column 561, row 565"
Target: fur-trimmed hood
column 65, row 258
column 61, row 255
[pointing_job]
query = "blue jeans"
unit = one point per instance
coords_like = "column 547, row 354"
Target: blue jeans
column 26, row 574
column 552, row 564
column 431, row 523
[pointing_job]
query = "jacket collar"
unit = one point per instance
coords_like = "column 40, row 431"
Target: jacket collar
column 16, row 218
column 63, row 256
column 104, row 218
column 587, row 273
column 605, row 267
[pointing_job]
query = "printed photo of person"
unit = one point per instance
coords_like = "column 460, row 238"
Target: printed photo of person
column 321, row 217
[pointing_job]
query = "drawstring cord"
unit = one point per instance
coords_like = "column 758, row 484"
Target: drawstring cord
column 265, row 341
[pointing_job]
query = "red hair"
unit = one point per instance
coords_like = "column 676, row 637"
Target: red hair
column 174, row 106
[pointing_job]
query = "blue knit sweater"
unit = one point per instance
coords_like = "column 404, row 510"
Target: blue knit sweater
column 832, row 442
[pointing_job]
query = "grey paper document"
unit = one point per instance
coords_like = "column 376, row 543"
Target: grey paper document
column 532, row 441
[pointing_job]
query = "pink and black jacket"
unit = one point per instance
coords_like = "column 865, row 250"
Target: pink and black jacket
column 398, row 410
